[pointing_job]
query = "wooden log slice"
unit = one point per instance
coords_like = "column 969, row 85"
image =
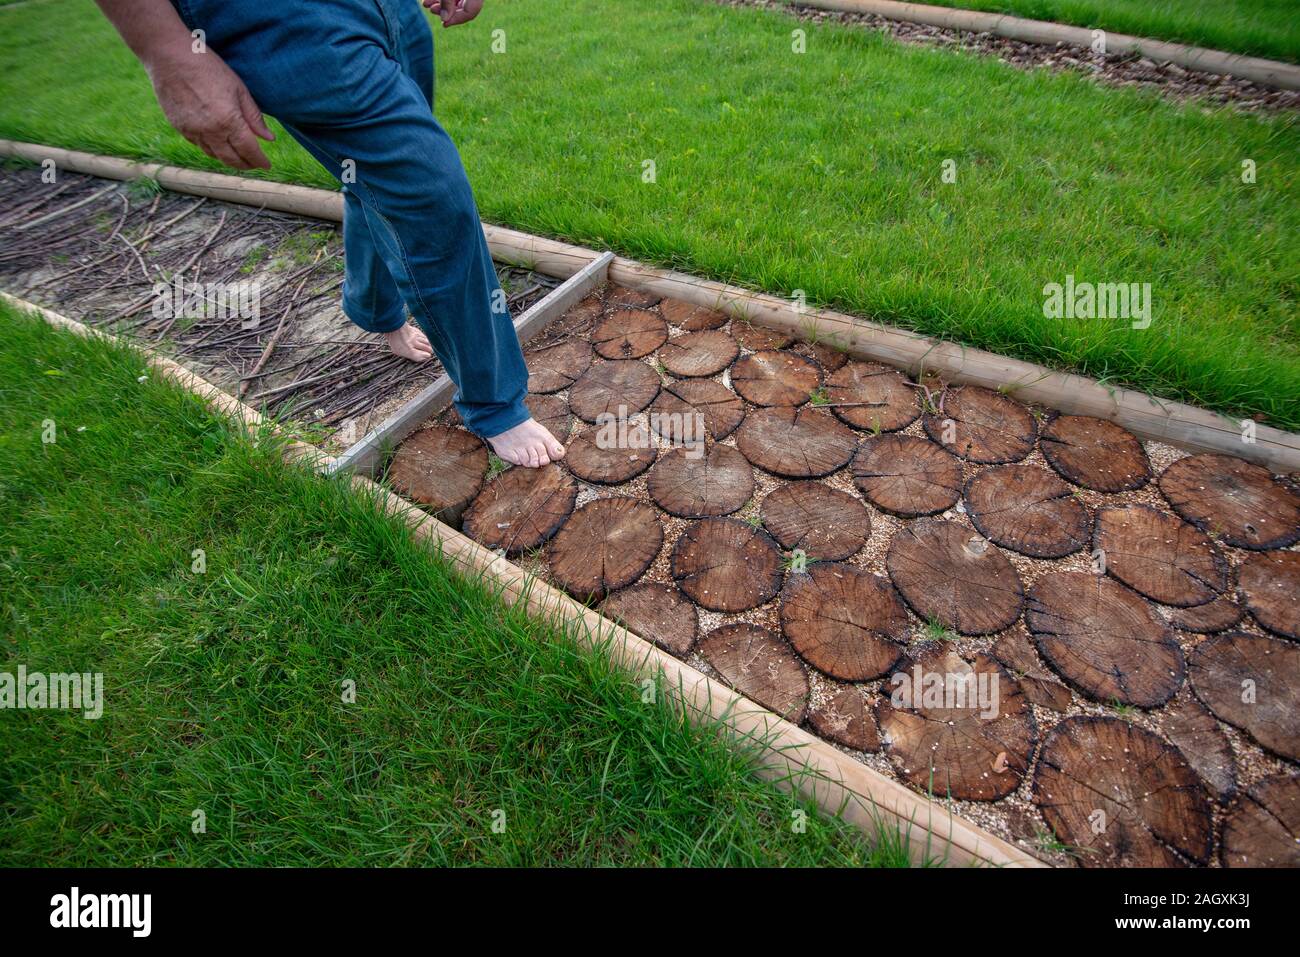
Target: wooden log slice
column 658, row 613
column 1236, row 501
column 1197, row 735
column 867, row 395
column 758, row 338
column 1160, row 556
column 608, row 387
column 724, row 565
column 1121, row 796
column 840, row 714
column 760, row 666
column 1270, row 584
column 1217, row 615
column 521, row 508
column 607, row 544
column 1230, row 667
column 1103, row 639
column 629, row 334
column 679, row 410
column 1038, row 684
column 1095, row 454
column 907, row 475
column 552, row 412
column 699, row 354
column 609, row 457
column 775, row 378
column 441, row 468
column 955, row 728
column 1028, row 510
column 1264, row 829
column 947, row 573
column 621, row 297
column 828, row 357
column 829, row 525
column 691, row 317
column 795, row 443
column 693, row 483
column 844, row 621
column 986, row 426
column 558, row 367
column 585, row 312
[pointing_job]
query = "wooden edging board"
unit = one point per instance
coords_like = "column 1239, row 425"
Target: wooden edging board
column 784, row 754
column 1147, row 416
column 1273, row 73
column 364, row 457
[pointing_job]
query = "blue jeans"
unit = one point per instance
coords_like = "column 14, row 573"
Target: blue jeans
column 352, row 81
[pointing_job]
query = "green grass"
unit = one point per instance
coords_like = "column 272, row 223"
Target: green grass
column 1268, row 28
column 822, row 172
column 223, row 690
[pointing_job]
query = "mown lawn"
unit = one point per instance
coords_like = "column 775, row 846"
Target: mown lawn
column 1268, row 28
column 823, row 172
column 224, row 688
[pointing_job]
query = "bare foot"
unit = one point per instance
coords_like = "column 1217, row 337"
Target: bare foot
column 528, row 444
column 410, row 343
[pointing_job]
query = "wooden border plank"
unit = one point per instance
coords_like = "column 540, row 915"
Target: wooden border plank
column 365, row 455
column 786, row 755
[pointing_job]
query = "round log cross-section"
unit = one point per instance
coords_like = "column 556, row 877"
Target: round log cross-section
column 606, row 544
column 795, row 443
column 629, row 334
column 1196, row 733
column 906, row 475
column 521, row 508
column 775, row 378
column 1103, row 639
column 558, row 367
column 867, row 395
column 1250, row 682
column 760, row 666
column 685, row 412
column 844, row 621
column 552, row 413
column 982, row 426
column 692, row 483
column 959, row 729
column 658, row 613
column 724, row 565
column 949, row 574
column 758, row 338
column 699, row 354
column 1264, row 829
column 1234, row 500
column 841, row 715
column 609, row 455
column 1028, row 510
column 827, row 524
column 618, row 388
column 1160, row 556
column 441, row 468
column 1270, row 582
column 1121, row 795
column 1095, row 454
column 691, row 317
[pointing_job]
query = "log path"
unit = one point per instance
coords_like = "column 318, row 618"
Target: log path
column 816, row 531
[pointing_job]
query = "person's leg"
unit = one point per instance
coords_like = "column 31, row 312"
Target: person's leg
column 330, row 71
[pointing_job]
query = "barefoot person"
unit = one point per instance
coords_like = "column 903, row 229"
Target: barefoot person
column 352, row 81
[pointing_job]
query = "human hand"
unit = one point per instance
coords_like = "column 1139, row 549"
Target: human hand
column 453, row 12
column 210, row 106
